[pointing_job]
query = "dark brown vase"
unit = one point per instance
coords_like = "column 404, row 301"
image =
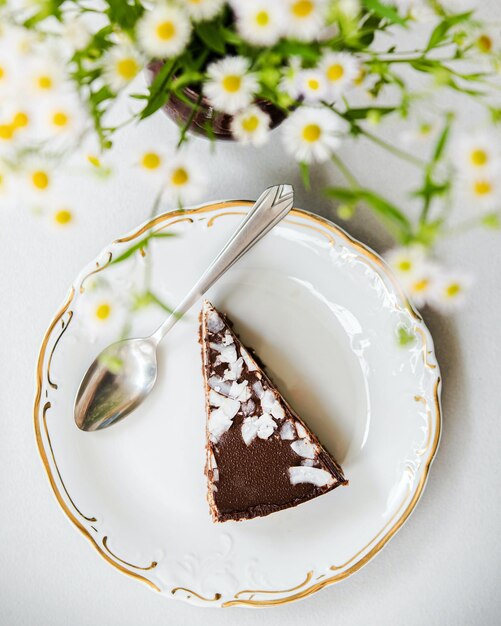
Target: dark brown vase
column 206, row 115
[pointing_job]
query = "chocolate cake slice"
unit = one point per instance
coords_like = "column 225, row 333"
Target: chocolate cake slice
column 261, row 457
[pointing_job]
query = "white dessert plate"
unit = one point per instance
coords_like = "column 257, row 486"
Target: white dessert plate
column 325, row 315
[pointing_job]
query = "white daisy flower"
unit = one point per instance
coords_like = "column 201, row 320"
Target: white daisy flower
column 420, row 131
column 62, row 217
column 487, row 40
column 151, row 166
column 312, row 85
column 185, row 179
column 251, row 126
column 304, row 19
column 15, row 119
column 46, row 77
column 340, row 70
column 260, row 23
column 200, row 10
column 39, row 177
column 20, row 122
column 289, row 83
column 420, row 289
column 8, row 74
column 65, row 117
column 102, row 311
column 18, row 40
column 311, row 134
column 450, row 290
column 476, row 152
column 164, row 31
column 151, row 161
column 75, row 32
column 483, row 191
column 121, row 65
column 230, row 86
column 413, row 270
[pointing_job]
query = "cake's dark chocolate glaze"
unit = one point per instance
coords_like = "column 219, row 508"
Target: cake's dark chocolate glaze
column 253, row 480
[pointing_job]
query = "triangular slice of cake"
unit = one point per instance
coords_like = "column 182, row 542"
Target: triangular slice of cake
column 261, row 457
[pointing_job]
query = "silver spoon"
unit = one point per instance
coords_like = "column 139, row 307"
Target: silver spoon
column 124, row 373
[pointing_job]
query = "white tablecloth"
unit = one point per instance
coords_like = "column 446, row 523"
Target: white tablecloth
column 442, row 568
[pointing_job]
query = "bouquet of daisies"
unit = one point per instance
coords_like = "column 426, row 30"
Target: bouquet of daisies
column 326, row 71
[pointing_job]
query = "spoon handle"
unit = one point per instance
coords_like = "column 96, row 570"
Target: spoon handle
column 270, row 208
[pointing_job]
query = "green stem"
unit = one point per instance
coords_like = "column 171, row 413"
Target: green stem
column 345, row 171
column 393, row 149
column 187, row 125
column 377, row 140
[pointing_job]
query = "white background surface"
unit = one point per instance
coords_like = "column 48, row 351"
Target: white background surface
column 444, row 565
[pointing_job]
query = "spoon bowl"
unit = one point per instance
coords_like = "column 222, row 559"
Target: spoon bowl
column 116, row 383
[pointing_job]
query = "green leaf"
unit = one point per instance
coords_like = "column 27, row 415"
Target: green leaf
column 363, row 113
column 384, row 209
column 441, row 31
column 140, row 245
column 48, row 8
column 384, row 11
column 307, row 51
column 442, row 139
column 123, row 13
column 186, row 79
column 212, row 36
column 154, row 299
column 159, row 89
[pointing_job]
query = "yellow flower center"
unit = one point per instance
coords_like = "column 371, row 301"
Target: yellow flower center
column 313, row 84
column 63, row 217
column 484, row 42
column 250, row 123
column 478, row 157
column 425, row 129
column 420, row 285
column 302, row 8
column 60, row 119
column 6, row 131
column 1, row 181
column 165, row 31
column 40, row 179
column 452, row 290
column 312, row 132
column 151, row 161
column 127, row 68
column 179, row 177
column 262, row 18
column 405, row 266
column 2, row 72
column 232, row 83
column 335, row 72
column 103, row 311
column 44, row 82
column 93, row 160
column 482, row 187
column 20, row 120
